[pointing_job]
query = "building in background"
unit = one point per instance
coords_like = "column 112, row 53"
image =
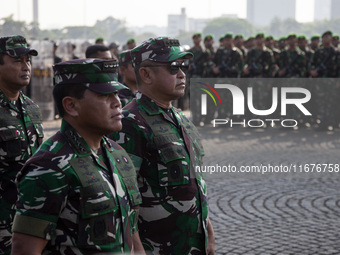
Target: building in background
column 335, row 9
column 322, row 10
column 261, row 12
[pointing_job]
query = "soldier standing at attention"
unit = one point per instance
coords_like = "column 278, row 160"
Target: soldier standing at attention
column 78, row 191
column 173, row 218
column 209, row 55
column 259, row 60
column 292, row 61
column 196, row 63
column 315, row 42
column 325, row 64
column 129, row 79
column 228, row 60
column 21, row 130
column 303, row 45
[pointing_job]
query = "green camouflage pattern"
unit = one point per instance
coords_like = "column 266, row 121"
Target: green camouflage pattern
column 327, row 62
column 15, row 46
column 260, row 62
column 21, row 133
column 96, row 74
column 174, row 213
column 160, row 49
column 293, row 62
column 78, row 199
column 125, row 57
column 125, row 96
column 229, row 62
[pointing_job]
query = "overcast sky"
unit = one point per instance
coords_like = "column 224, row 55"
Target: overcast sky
column 61, row 13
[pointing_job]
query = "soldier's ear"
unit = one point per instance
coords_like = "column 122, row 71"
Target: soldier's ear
column 145, row 74
column 70, row 105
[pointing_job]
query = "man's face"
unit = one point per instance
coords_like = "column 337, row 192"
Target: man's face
column 128, row 73
column 98, row 113
column 315, row 43
column 131, row 45
column 327, row 40
column 208, row 43
column 197, row 40
column 15, row 73
column 292, row 42
column 259, row 41
column 228, row 42
column 165, row 85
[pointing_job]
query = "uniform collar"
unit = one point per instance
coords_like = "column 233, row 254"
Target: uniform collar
column 78, row 142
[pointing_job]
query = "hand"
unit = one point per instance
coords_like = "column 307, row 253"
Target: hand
column 245, row 70
column 314, row 73
column 211, row 240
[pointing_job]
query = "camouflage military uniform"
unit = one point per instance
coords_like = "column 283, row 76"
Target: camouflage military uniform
column 173, row 216
column 260, row 62
column 125, row 96
column 21, row 134
column 76, row 197
column 229, row 62
column 293, row 62
column 326, row 61
column 196, row 64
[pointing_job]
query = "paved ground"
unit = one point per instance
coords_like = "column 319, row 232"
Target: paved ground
column 272, row 213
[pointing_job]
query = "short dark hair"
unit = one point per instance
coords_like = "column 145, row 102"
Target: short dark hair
column 61, row 91
column 92, row 50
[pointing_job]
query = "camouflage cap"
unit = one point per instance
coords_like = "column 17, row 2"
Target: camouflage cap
column 209, row 37
column 125, row 57
column 228, row 35
column 160, row 49
column 302, row 37
column 292, row 35
column 259, row 35
column 316, row 36
column 15, row 46
column 327, row 33
column 97, row 75
column 196, row 35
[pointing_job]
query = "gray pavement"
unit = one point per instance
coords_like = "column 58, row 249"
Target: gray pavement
column 277, row 212
column 296, row 212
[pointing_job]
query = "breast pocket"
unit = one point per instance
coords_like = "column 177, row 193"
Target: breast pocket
column 11, row 140
column 97, row 215
column 176, row 171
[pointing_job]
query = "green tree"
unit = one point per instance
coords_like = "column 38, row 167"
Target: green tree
column 221, row 26
column 11, row 27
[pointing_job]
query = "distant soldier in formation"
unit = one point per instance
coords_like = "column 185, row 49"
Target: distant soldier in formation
column 239, row 43
column 325, row 64
column 209, row 55
column 315, row 42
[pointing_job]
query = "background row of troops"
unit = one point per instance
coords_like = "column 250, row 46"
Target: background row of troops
column 230, row 63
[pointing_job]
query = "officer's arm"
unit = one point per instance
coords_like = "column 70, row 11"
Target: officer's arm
column 25, row 244
column 137, row 244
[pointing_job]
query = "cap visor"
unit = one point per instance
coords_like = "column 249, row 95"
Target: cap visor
column 106, row 87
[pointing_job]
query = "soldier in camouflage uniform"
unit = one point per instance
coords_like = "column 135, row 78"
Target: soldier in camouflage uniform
column 270, row 44
column 292, row 64
column 196, row 63
column 21, row 130
column 209, row 55
column 315, row 42
column 260, row 64
column 78, row 191
column 129, row 79
column 259, row 61
column 303, row 45
column 228, row 61
column 325, row 64
column 292, row 61
column 173, row 218
column 239, row 43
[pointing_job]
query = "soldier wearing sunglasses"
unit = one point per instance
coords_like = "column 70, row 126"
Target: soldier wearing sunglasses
column 165, row 147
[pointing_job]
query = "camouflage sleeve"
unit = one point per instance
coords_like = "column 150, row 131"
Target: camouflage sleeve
column 42, row 193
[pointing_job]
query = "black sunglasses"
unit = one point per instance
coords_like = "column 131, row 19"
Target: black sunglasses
column 174, row 67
